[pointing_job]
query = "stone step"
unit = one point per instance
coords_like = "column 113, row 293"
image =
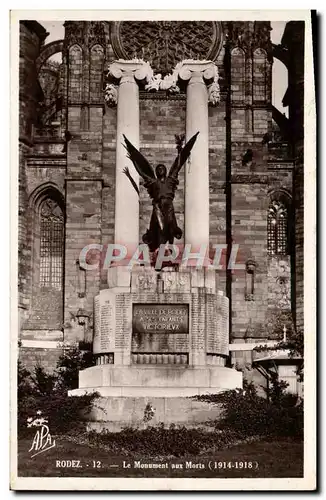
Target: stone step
column 113, row 414
column 127, row 380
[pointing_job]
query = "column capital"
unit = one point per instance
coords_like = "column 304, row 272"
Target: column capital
column 204, row 72
column 130, row 71
column 193, row 69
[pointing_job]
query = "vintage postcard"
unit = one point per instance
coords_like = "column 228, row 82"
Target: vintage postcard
column 163, row 211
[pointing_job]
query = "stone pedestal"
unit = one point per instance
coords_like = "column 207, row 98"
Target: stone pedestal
column 160, row 334
column 159, row 318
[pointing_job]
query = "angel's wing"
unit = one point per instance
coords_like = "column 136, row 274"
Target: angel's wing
column 182, row 157
column 142, row 166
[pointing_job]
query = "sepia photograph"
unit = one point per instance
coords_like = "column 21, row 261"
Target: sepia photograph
column 163, row 319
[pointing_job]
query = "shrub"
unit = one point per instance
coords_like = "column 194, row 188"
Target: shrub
column 43, row 382
column 24, row 381
column 69, row 364
column 157, row 441
column 245, row 412
column 66, row 413
column 24, row 395
column 42, row 391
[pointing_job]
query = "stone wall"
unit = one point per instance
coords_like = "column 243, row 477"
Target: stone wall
column 32, row 36
column 293, row 40
column 30, row 357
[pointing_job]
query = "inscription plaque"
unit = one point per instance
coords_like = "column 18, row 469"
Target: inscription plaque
column 160, row 318
column 105, row 323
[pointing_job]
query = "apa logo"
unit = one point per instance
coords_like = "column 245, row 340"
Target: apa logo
column 43, row 440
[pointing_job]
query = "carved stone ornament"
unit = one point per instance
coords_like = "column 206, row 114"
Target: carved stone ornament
column 170, row 81
column 111, row 94
column 96, row 33
column 262, row 37
column 207, row 70
column 249, row 36
column 134, row 68
column 279, row 273
column 74, row 32
column 284, row 287
column 51, row 211
column 142, row 71
column 84, row 33
column 214, row 95
column 165, row 43
column 250, row 266
column 146, row 281
column 174, row 280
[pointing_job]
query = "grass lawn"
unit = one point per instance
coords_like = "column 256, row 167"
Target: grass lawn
column 279, row 458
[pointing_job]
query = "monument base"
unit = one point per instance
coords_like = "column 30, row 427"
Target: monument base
column 115, row 414
column 126, row 391
column 159, row 336
column 156, row 381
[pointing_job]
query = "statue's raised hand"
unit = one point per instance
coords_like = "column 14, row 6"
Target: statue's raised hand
column 128, row 174
column 126, row 171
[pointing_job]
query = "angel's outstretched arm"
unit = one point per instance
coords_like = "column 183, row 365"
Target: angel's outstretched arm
column 127, row 173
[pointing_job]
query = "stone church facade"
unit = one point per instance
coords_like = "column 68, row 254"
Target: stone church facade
column 68, row 119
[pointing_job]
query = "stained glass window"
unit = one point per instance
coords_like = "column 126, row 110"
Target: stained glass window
column 277, row 229
column 51, row 248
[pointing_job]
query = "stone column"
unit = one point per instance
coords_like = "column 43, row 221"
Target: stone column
column 126, row 198
column 197, row 74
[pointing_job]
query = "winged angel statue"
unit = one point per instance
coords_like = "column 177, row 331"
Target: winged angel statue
column 161, row 187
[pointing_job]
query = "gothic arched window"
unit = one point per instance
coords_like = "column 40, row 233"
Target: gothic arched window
column 238, row 78
column 260, row 75
column 277, row 229
column 96, row 72
column 51, row 244
column 75, row 73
